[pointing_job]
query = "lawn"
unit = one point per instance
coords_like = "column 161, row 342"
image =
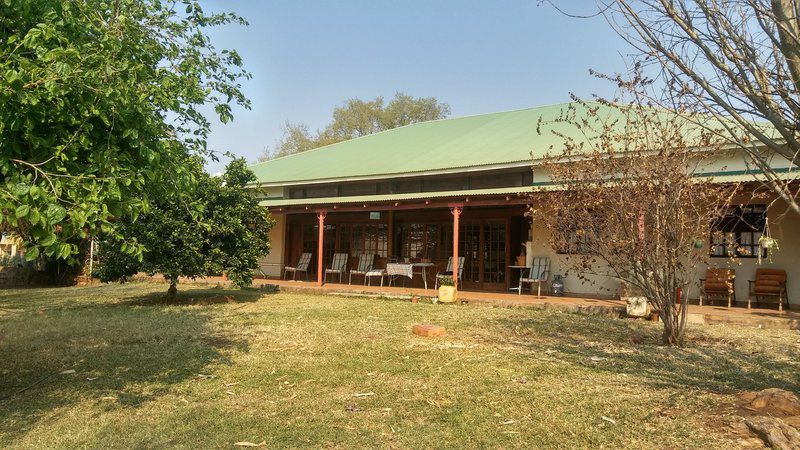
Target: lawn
column 112, row 366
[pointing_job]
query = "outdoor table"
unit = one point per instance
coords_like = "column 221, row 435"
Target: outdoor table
column 407, row 270
column 424, row 266
column 522, row 270
column 399, row 269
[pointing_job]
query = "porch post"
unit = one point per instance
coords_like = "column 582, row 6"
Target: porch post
column 456, row 211
column 321, row 218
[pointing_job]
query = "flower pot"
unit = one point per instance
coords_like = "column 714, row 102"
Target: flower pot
column 448, row 294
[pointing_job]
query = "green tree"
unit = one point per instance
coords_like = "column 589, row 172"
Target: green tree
column 101, row 101
column 217, row 227
column 356, row 118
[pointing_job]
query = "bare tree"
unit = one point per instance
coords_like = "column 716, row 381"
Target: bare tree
column 735, row 60
column 626, row 201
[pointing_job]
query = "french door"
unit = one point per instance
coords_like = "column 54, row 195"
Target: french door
column 484, row 245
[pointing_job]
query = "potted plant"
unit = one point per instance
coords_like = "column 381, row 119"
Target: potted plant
column 447, row 290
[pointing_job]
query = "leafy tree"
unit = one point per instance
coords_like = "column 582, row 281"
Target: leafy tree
column 356, row 118
column 217, row 227
column 101, row 101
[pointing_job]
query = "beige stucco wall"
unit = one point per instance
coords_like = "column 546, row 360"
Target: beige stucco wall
column 593, row 285
column 784, row 226
column 273, row 263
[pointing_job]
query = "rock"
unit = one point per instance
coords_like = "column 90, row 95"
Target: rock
column 793, row 421
column 775, row 432
column 773, row 402
column 427, row 330
column 637, row 306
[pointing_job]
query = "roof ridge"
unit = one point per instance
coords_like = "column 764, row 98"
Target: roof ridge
column 444, row 119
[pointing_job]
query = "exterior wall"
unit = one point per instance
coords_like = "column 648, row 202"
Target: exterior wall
column 272, row 264
column 784, row 226
column 594, row 286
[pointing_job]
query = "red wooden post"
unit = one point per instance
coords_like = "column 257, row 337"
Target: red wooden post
column 321, row 217
column 456, row 211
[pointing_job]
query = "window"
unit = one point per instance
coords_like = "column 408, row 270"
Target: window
column 405, row 187
column 574, row 238
column 358, row 189
column 356, row 239
column 738, row 231
column 321, row 191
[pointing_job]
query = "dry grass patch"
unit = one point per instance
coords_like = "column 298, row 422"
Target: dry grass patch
column 312, row 371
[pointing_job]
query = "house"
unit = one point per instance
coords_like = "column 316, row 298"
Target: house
column 401, row 193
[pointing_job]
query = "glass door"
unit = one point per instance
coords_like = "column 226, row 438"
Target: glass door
column 495, row 264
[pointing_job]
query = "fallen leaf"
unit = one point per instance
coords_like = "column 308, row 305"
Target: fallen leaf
column 113, row 399
column 230, row 392
column 508, row 422
column 596, row 359
column 550, row 352
column 67, row 372
column 364, row 394
column 231, row 384
column 609, row 420
column 91, row 378
column 353, row 408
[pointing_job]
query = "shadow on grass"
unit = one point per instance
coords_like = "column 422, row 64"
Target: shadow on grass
column 633, row 348
column 122, row 354
column 197, row 297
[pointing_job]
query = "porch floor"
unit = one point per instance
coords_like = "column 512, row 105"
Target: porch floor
column 756, row 317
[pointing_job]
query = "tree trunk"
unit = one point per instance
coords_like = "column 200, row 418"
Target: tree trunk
column 674, row 327
column 172, row 292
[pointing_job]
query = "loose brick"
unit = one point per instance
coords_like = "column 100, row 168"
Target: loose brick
column 427, row 330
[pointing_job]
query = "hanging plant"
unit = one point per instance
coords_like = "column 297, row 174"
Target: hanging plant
column 767, row 242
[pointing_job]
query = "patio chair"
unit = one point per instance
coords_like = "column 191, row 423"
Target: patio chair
column 769, row 283
column 448, row 272
column 538, row 272
column 718, row 283
column 338, row 265
column 374, row 273
column 301, row 266
column 365, row 262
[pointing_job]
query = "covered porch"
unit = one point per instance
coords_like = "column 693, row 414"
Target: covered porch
column 707, row 315
column 485, row 234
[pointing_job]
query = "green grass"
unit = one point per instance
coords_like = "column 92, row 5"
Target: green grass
column 286, row 370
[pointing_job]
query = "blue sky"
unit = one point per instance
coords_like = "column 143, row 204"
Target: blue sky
column 307, row 57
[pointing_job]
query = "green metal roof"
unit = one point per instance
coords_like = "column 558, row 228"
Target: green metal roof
column 440, row 146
